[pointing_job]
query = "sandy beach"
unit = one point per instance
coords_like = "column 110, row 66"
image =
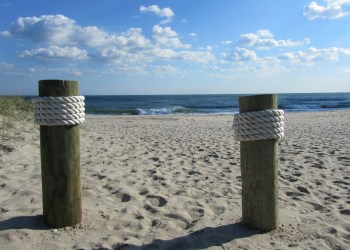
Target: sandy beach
column 173, row 182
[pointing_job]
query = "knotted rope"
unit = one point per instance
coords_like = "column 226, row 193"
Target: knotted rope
column 65, row 110
column 259, row 125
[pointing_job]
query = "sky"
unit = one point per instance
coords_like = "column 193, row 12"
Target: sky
column 127, row 47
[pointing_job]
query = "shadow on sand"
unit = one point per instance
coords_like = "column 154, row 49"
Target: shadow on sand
column 201, row 239
column 24, row 222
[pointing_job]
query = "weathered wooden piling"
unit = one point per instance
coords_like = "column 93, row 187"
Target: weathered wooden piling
column 259, row 169
column 60, row 163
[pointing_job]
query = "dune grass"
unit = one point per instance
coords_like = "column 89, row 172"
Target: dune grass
column 12, row 105
column 12, row 109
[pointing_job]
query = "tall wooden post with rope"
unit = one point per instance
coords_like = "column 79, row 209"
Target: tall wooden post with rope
column 259, row 161
column 60, row 162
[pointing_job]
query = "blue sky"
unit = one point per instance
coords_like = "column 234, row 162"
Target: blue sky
column 176, row 46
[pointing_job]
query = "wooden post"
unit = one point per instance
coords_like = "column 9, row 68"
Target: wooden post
column 60, row 163
column 259, row 169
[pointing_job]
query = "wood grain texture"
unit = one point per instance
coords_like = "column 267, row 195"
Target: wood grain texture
column 60, row 163
column 259, row 168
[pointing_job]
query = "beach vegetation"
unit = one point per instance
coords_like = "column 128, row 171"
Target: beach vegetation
column 13, row 109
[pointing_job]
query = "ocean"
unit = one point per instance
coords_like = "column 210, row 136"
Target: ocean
column 207, row 104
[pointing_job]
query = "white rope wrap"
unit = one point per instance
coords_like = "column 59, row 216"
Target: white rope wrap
column 64, row 110
column 259, row 125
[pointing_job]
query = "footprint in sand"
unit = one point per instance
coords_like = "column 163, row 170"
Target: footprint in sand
column 99, row 176
column 14, row 236
column 122, row 225
column 319, row 207
column 345, row 211
column 158, row 178
column 143, row 191
column 303, row 190
column 343, row 158
column 180, row 221
column 196, row 212
column 193, row 172
column 103, row 215
column 217, row 209
column 157, row 201
column 293, row 194
column 158, row 224
column 342, row 184
column 123, row 197
column 135, row 227
column 150, row 209
column 291, row 179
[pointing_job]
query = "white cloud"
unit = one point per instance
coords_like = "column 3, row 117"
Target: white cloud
column 165, row 12
column 165, row 36
column 55, row 29
column 53, row 38
column 91, row 36
column 333, row 9
column 60, row 30
column 186, row 55
column 163, row 53
column 71, row 70
column 308, row 56
column 165, row 39
column 260, row 67
column 11, row 69
column 263, row 39
column 159, row 31
column 244, row 60
column 133, row 37
column 242, row 54
column 4, row 67
column 196, row 56
column 193, row 34
column 54, row 52
column 312, row 55
column 5, row 34
column 125, row 68
column 165, row 70
column 184, row 20
column 226, row 42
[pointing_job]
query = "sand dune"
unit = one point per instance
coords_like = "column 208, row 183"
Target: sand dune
column 173, row 182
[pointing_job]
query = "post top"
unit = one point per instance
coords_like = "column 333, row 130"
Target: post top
column 257, row 102
column 56, row 88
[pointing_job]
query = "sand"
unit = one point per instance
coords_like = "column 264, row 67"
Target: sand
column 173, row 182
